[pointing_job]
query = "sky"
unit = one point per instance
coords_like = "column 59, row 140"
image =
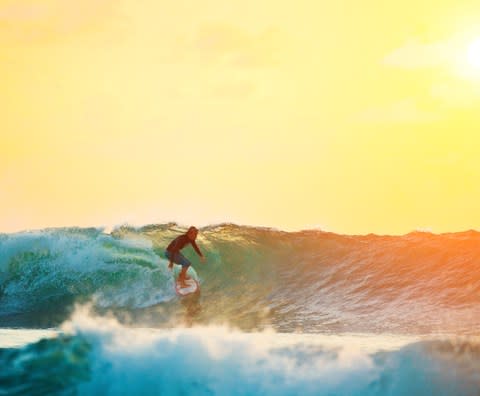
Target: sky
column 349, row 116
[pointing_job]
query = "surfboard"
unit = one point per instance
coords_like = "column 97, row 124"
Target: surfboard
column 192, row 287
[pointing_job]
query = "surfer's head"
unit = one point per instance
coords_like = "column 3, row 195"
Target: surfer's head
column 192, row 233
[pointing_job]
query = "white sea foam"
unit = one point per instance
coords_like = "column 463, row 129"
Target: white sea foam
column 221, row 361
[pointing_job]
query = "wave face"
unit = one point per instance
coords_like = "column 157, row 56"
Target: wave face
column 104, row 358
column 308, row 281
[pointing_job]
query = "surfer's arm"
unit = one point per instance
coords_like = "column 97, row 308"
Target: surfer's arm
column 196, row 248
column 170, row 259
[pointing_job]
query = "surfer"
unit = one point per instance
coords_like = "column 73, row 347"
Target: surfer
column 172, row 253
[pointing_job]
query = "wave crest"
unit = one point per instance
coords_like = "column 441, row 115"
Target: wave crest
column 254, row 277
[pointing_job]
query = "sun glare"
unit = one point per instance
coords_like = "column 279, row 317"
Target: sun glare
column 474, row 53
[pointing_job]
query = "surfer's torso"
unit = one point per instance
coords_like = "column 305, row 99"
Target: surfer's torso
column 180, row 242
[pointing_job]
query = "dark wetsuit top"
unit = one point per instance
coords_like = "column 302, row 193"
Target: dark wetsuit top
column 180, row 242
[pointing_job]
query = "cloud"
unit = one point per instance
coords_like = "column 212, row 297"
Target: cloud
column 417, row 55
column 460, row 94
column 405, row 111
column 25, row 12
column 459, row 83
column 28, row 20
column 234, row 89
column 235, row 46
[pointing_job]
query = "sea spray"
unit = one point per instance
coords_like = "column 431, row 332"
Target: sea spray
column 98, row 355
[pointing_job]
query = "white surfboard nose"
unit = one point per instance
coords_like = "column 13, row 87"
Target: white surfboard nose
column 192, row 287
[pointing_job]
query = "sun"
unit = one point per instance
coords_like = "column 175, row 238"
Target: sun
column 473, row 54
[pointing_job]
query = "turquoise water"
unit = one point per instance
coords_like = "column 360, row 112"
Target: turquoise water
column 86, row 312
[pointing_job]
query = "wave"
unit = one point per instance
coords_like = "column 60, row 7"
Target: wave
column 309, row 281
column 49, row 269
column 103, row 357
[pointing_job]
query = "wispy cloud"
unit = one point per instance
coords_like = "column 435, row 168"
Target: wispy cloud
column 459, row 94
column 415, row 55
column 458, row 85
column 234, row 89
column 404, row 111
column 23, row 12
column 235, row 46
column 28, row 20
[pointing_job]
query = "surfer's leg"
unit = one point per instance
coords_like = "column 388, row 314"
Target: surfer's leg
column 183, row 273
column 182, row 276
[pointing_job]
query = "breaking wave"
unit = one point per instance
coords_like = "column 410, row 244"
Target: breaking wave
column 99, row 356
column 254, row 278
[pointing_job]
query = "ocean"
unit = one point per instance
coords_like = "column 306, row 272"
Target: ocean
column 89, row 312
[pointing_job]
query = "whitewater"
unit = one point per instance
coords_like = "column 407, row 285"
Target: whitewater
column 83, row 311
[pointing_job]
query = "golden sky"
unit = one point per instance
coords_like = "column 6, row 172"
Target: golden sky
column 352, row 116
